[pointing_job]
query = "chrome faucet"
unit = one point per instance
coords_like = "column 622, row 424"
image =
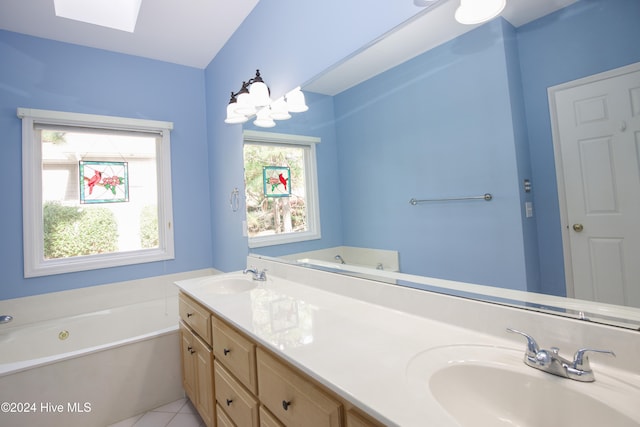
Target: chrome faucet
column 550, row 361
column 5, row 318
column 257, row 274
column 339, row 258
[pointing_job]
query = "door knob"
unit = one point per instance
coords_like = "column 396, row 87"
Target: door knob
column 578, row 227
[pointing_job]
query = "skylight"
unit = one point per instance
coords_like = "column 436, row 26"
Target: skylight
column 118, row 14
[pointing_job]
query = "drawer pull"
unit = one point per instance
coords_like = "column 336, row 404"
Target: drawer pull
column 226, row 351
column 229, row 402
column 286, row 404
column 189, row 314
column 191, row 350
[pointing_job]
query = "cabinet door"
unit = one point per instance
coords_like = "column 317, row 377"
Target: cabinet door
column 188, row 362
column 204, row 381
column 293, row 399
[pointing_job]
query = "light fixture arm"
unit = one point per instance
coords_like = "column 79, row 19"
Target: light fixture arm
column 245, row 85
column 257, row 78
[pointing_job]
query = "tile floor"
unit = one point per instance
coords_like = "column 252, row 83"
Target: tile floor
column 180, row 413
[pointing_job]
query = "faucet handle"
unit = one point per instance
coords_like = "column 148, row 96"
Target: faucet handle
column 532, row 345
column 581, row 360
column 260, row 275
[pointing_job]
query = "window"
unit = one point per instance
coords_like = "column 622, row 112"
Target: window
column 96, row 191
column 281, row 188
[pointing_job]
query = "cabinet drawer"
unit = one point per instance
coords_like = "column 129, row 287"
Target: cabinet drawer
column 222, row 420
column 196, row 316
column 236, row 353
column 240, row 405
column 293, row 399
column 267, row 419
column 357, row 419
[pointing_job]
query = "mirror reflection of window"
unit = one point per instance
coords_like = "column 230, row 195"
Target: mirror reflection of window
column 280, row 189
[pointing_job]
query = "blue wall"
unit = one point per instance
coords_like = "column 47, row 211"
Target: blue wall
column 43, row 74
column 318, row 122
column 290, row 41
column 555, row 49
column 280, row 37
column 552, row 50
column 458, row 138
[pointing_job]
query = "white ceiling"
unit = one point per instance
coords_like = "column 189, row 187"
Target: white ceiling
column 192, row 32
column 186, row 32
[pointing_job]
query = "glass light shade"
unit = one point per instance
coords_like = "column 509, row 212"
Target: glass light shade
column 259, row 94
column 234, row 117
column 473, row 12
column 279, row 110
column 263, row 119
column 245, row 105
column 296, row 102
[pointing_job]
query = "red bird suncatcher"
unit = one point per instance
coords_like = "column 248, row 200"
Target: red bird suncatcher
column 283, row 180
column 93, row 181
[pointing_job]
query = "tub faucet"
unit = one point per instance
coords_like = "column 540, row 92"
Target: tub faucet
column 257, row 274
column 550, row 361
column 5, row 318
column 339, row 258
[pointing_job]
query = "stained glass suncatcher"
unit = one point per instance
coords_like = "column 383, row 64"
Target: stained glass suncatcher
column 276, row 181
column 104, row 182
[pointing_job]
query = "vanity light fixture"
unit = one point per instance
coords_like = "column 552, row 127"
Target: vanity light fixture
column 473, row 12
column 253, row 98
column 263, row 118
column 117, row 14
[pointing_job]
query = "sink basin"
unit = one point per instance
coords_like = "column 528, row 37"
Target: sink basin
column 491, row 386
column 226, row 284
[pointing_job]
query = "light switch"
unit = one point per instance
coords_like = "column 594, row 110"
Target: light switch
column 528, row 209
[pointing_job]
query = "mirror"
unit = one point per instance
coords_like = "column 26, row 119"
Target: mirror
column 468, row 116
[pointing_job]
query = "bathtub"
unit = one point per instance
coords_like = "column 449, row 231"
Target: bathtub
column 378, row 259
column 51, row 341
column 94, row 368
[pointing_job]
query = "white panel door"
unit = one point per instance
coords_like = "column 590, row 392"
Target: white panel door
column 597, row 132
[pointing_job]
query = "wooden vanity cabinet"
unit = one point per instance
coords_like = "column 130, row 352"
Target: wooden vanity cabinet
column 356, row 418
column 188, row 361
column 236, row 401
column 196, row 317
column 235, row 375
column 293, row 399
column 222, row 420
column 236, row 353
column 267, row 419
column 233, row 382
column 197, row 358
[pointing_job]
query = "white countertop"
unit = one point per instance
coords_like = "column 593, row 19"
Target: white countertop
column 359, row 350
